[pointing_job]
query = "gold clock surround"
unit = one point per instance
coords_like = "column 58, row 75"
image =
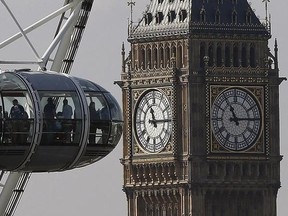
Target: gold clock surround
column 162, row 119
column 258, row 146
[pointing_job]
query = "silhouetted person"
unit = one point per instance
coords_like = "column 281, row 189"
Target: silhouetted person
column 1, row 122
column 17, row 120
column 49, row 117
column 49, row 109
column 94, row 117
column 17, row 110
column 67, row 110
column 105, row 123
column 67, row 124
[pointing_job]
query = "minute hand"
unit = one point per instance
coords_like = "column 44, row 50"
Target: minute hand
column 247, row 119
column 159, row 120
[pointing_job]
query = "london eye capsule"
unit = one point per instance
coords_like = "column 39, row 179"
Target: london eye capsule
column 54, row 122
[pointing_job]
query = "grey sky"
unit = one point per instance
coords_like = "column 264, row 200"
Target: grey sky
column 97, row 189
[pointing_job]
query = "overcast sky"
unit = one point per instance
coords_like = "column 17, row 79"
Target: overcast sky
column 97, row 189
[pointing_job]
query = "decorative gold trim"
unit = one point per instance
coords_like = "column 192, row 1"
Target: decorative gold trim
column 137, row 96
column 248, row 158
column 236, row 80
column 213, row 147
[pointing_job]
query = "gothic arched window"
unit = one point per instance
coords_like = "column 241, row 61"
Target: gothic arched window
column 155, row 57
column 235, row 56
column 167, row 56
column 202, row 15
column 159, row 17
column 148, row 18
column 234, row 17
column 182, row 15
column 227, row 57
column 217, row 17
column 211, row 55
column 161, row 56
column 202, row 55
column 252, row 57
column 248, row 18
column 180, row 56
column 143, row 59
column 149, row 58
column 244, row 57
column 174, row 52
column 219, row 56
column 171, row 16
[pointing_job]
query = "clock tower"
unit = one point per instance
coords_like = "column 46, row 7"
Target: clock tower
column 201, row 111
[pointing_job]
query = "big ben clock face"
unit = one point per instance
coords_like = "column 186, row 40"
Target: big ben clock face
column 236, row 119
column 152, row 121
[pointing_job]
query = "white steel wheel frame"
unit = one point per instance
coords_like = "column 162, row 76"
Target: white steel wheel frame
column 72, row 13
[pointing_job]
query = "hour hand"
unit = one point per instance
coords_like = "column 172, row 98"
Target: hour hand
column 248, row 119
column 161, row 120
column 235, row 119
column 152, row 113
column 153, row 118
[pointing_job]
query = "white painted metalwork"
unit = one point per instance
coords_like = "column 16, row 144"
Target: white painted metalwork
column 73, row 18
column 12, row 192
column 74, row 15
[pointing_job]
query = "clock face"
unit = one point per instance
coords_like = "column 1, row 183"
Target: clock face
column 236, row 119
column 152, row 121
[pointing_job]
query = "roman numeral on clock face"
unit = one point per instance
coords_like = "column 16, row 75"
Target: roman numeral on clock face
column 236, row 119
column 153, row 121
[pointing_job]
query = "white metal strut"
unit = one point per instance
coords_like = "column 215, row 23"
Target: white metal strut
column 73, row 18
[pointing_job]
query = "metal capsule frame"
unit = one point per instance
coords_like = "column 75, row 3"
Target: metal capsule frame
column 39, row 135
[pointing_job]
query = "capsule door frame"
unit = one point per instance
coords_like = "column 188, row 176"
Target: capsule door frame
column 85, row 123
column 36, row 136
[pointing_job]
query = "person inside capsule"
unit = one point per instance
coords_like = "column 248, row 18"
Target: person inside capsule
column 45, row 125
column 104, row 117
column 94, row 117
column 67, row 125
column 14, row 124
column 49, row 123
column 1, row 121
column 99, row 119
column 62, row 118
column 18, row 118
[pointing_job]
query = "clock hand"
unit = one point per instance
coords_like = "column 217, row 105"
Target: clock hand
column 153, row 118
column 152, row 113
column 159, row 120
column 235, row 119
column 248, row 119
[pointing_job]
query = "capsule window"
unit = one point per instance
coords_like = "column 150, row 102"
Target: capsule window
column 62, row 118
column 45, row 121
column 17, row 117
column 116, row 117
column 99, row 119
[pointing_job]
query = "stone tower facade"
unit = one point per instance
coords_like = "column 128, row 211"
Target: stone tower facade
column 201, row 111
